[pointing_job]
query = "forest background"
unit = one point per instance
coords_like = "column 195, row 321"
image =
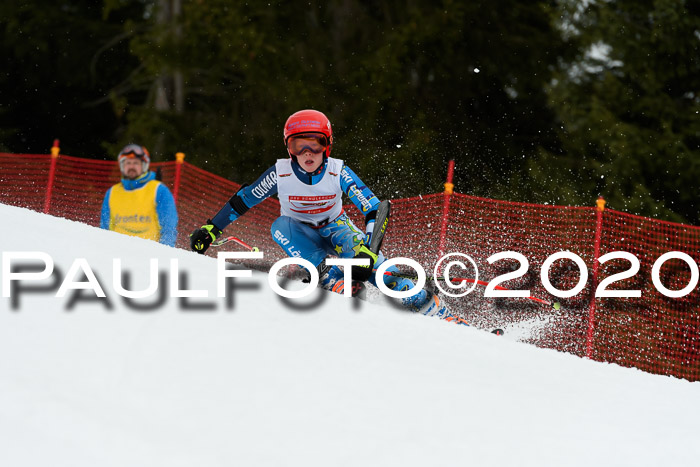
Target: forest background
column 537, row 101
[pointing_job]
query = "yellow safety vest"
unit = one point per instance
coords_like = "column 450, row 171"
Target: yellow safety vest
column 133, row 212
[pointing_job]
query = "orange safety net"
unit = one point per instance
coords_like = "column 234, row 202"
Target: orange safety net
column 655, row 333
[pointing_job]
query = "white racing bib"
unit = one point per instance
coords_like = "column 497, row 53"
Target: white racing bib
column 316, row 204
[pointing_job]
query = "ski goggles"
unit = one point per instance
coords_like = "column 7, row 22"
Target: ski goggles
column 132, row 151
column 314, row 142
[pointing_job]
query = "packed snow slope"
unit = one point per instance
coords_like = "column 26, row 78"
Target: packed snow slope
column 258, row 382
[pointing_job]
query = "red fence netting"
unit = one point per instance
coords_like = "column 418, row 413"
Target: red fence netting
column 652, row 332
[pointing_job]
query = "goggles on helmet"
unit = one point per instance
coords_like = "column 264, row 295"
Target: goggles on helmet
column 314, row 142
column 133, row 150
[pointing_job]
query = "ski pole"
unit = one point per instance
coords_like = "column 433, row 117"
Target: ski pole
column 555, row 305
column 226, row 240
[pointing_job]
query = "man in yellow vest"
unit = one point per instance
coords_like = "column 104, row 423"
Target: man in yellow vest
column 139, row 205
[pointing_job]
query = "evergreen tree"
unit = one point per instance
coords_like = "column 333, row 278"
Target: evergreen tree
column 536, row 100
column 61, row 60
column 628, row 108
column 408, row 85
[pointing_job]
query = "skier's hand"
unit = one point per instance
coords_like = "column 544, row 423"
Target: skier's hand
column 201, row 238
column 362, row 273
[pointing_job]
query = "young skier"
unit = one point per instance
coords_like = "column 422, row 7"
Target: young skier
column 312, row 225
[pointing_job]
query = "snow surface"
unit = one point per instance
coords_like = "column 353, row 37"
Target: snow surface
column 267, row 384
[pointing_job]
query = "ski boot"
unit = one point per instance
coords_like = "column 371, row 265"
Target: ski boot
column 428, row 303
column 331, row 278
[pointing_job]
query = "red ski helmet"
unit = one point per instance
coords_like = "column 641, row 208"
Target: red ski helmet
column 309, row 121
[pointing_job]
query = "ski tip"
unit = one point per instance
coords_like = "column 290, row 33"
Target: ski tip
column 498, row 332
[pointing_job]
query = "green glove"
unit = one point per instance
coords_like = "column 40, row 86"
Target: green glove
column 362, row 273
column 201, row 238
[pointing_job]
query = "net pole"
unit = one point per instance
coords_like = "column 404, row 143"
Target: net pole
column 179, row 160
column 600, row 207
column 52, row 174
column 447, row 194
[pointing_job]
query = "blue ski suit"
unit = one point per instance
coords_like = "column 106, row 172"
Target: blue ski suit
column 315, row 241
